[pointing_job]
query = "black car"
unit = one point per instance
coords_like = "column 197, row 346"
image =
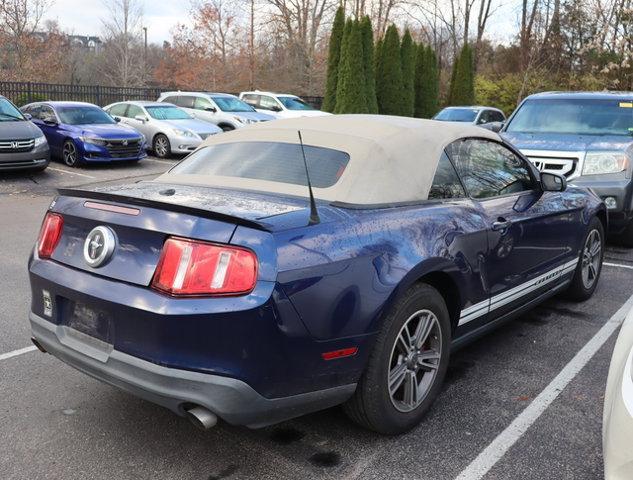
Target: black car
column 23, row 146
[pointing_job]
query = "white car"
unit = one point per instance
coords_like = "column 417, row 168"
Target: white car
column 617, row 427
column 281, row 105
column 222, row 109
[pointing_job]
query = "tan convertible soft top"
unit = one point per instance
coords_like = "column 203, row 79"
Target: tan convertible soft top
column 392, row 159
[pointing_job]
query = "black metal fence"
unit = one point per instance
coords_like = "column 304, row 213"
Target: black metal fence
column 22, row 93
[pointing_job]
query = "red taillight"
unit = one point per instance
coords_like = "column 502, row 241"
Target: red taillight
column 189, row 267
column 50, row 234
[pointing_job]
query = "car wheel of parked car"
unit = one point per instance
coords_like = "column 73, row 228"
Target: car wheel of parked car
column 161, row 146
column 407, row 366
column 589, row 266
column 69, row 154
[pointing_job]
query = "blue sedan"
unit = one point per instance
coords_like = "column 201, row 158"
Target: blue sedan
column 80, row 133
column 296, row 265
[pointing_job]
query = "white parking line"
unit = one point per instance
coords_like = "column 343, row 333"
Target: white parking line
column 15, row 353
column 618, row 265
column 71, row 173
column 506, row 439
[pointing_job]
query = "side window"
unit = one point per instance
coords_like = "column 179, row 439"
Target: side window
column 201, row 103
column 252, row 100
column 134, row 110
column 497, row 116
column 118, row 110
column 173, row 99
column 485, row 117
column 268, row 103
column 489, row 169
column 185, row 101
column 446, row 183
column 47, row 114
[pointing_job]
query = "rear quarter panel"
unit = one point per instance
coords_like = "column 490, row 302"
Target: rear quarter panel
column 343, row 275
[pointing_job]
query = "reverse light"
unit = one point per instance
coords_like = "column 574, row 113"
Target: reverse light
column 190, row 267
column 50, row 233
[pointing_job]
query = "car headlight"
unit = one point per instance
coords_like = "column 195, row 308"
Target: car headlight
column 94, row 141
column 604, row 162
column 39, row 141
column 183, row 133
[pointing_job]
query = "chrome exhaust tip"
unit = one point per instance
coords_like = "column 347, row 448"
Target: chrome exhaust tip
column 38, row 345
column 201, row 417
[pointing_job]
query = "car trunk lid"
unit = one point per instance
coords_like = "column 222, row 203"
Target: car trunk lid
column 142, row 216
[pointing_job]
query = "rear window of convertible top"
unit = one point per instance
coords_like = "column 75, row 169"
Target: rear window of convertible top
column 271, row 161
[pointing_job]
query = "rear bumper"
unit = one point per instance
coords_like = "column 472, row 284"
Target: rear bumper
column 230, row 399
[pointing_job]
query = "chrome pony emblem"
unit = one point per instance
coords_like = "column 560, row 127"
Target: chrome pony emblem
column 99, row 246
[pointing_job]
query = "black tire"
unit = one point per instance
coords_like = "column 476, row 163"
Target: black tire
column 372, row 406
column 161, row 146
column 70, row 155
column 580, row 289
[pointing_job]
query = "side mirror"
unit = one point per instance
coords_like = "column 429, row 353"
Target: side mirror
column 276, row 108
column 211, row 109
column 552, row 182
column 494, row 126
column 50, row 121
column 141, row 118
column 28, row 116
column 117, row 119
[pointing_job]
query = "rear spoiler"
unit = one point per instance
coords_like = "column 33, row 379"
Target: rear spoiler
column 171, row 207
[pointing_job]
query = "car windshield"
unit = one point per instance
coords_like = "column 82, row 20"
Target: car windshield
column 165, row 112
column 232, row 104
column 8, row 113
column 457, row 115
column 83, row 115
column 295, row 103
column 271, row 161
column 574, row 116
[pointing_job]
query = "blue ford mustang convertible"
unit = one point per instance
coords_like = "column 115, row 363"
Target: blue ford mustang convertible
column 291, row 266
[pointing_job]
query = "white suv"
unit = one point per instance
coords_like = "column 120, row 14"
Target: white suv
column 226, row 111
column 281, row 105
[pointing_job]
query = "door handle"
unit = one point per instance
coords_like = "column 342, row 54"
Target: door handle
column 501, row 224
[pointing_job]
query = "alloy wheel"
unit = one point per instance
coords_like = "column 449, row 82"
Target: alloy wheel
column 591, row 258
column 161, row 146
column 414, row 361
column 70, row 154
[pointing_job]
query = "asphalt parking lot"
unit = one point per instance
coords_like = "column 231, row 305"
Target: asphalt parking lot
column 59, row 424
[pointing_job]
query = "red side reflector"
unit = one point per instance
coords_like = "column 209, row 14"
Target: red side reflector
column 345, row 352
column 106, row 207
column 190, row 267
column 50, row 233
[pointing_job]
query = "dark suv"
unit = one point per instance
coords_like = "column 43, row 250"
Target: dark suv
column 23, row 146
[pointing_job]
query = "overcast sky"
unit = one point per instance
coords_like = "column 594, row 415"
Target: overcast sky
column 82, row 17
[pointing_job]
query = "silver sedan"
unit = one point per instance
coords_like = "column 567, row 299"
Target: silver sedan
column 167, row 128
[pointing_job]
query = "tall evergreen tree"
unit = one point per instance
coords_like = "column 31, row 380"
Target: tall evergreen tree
column 350, row 94
column 462, row 89
column 333, row 60
column 426, row 82
column 389, row 74
column 407, row 58
column 367, row 33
